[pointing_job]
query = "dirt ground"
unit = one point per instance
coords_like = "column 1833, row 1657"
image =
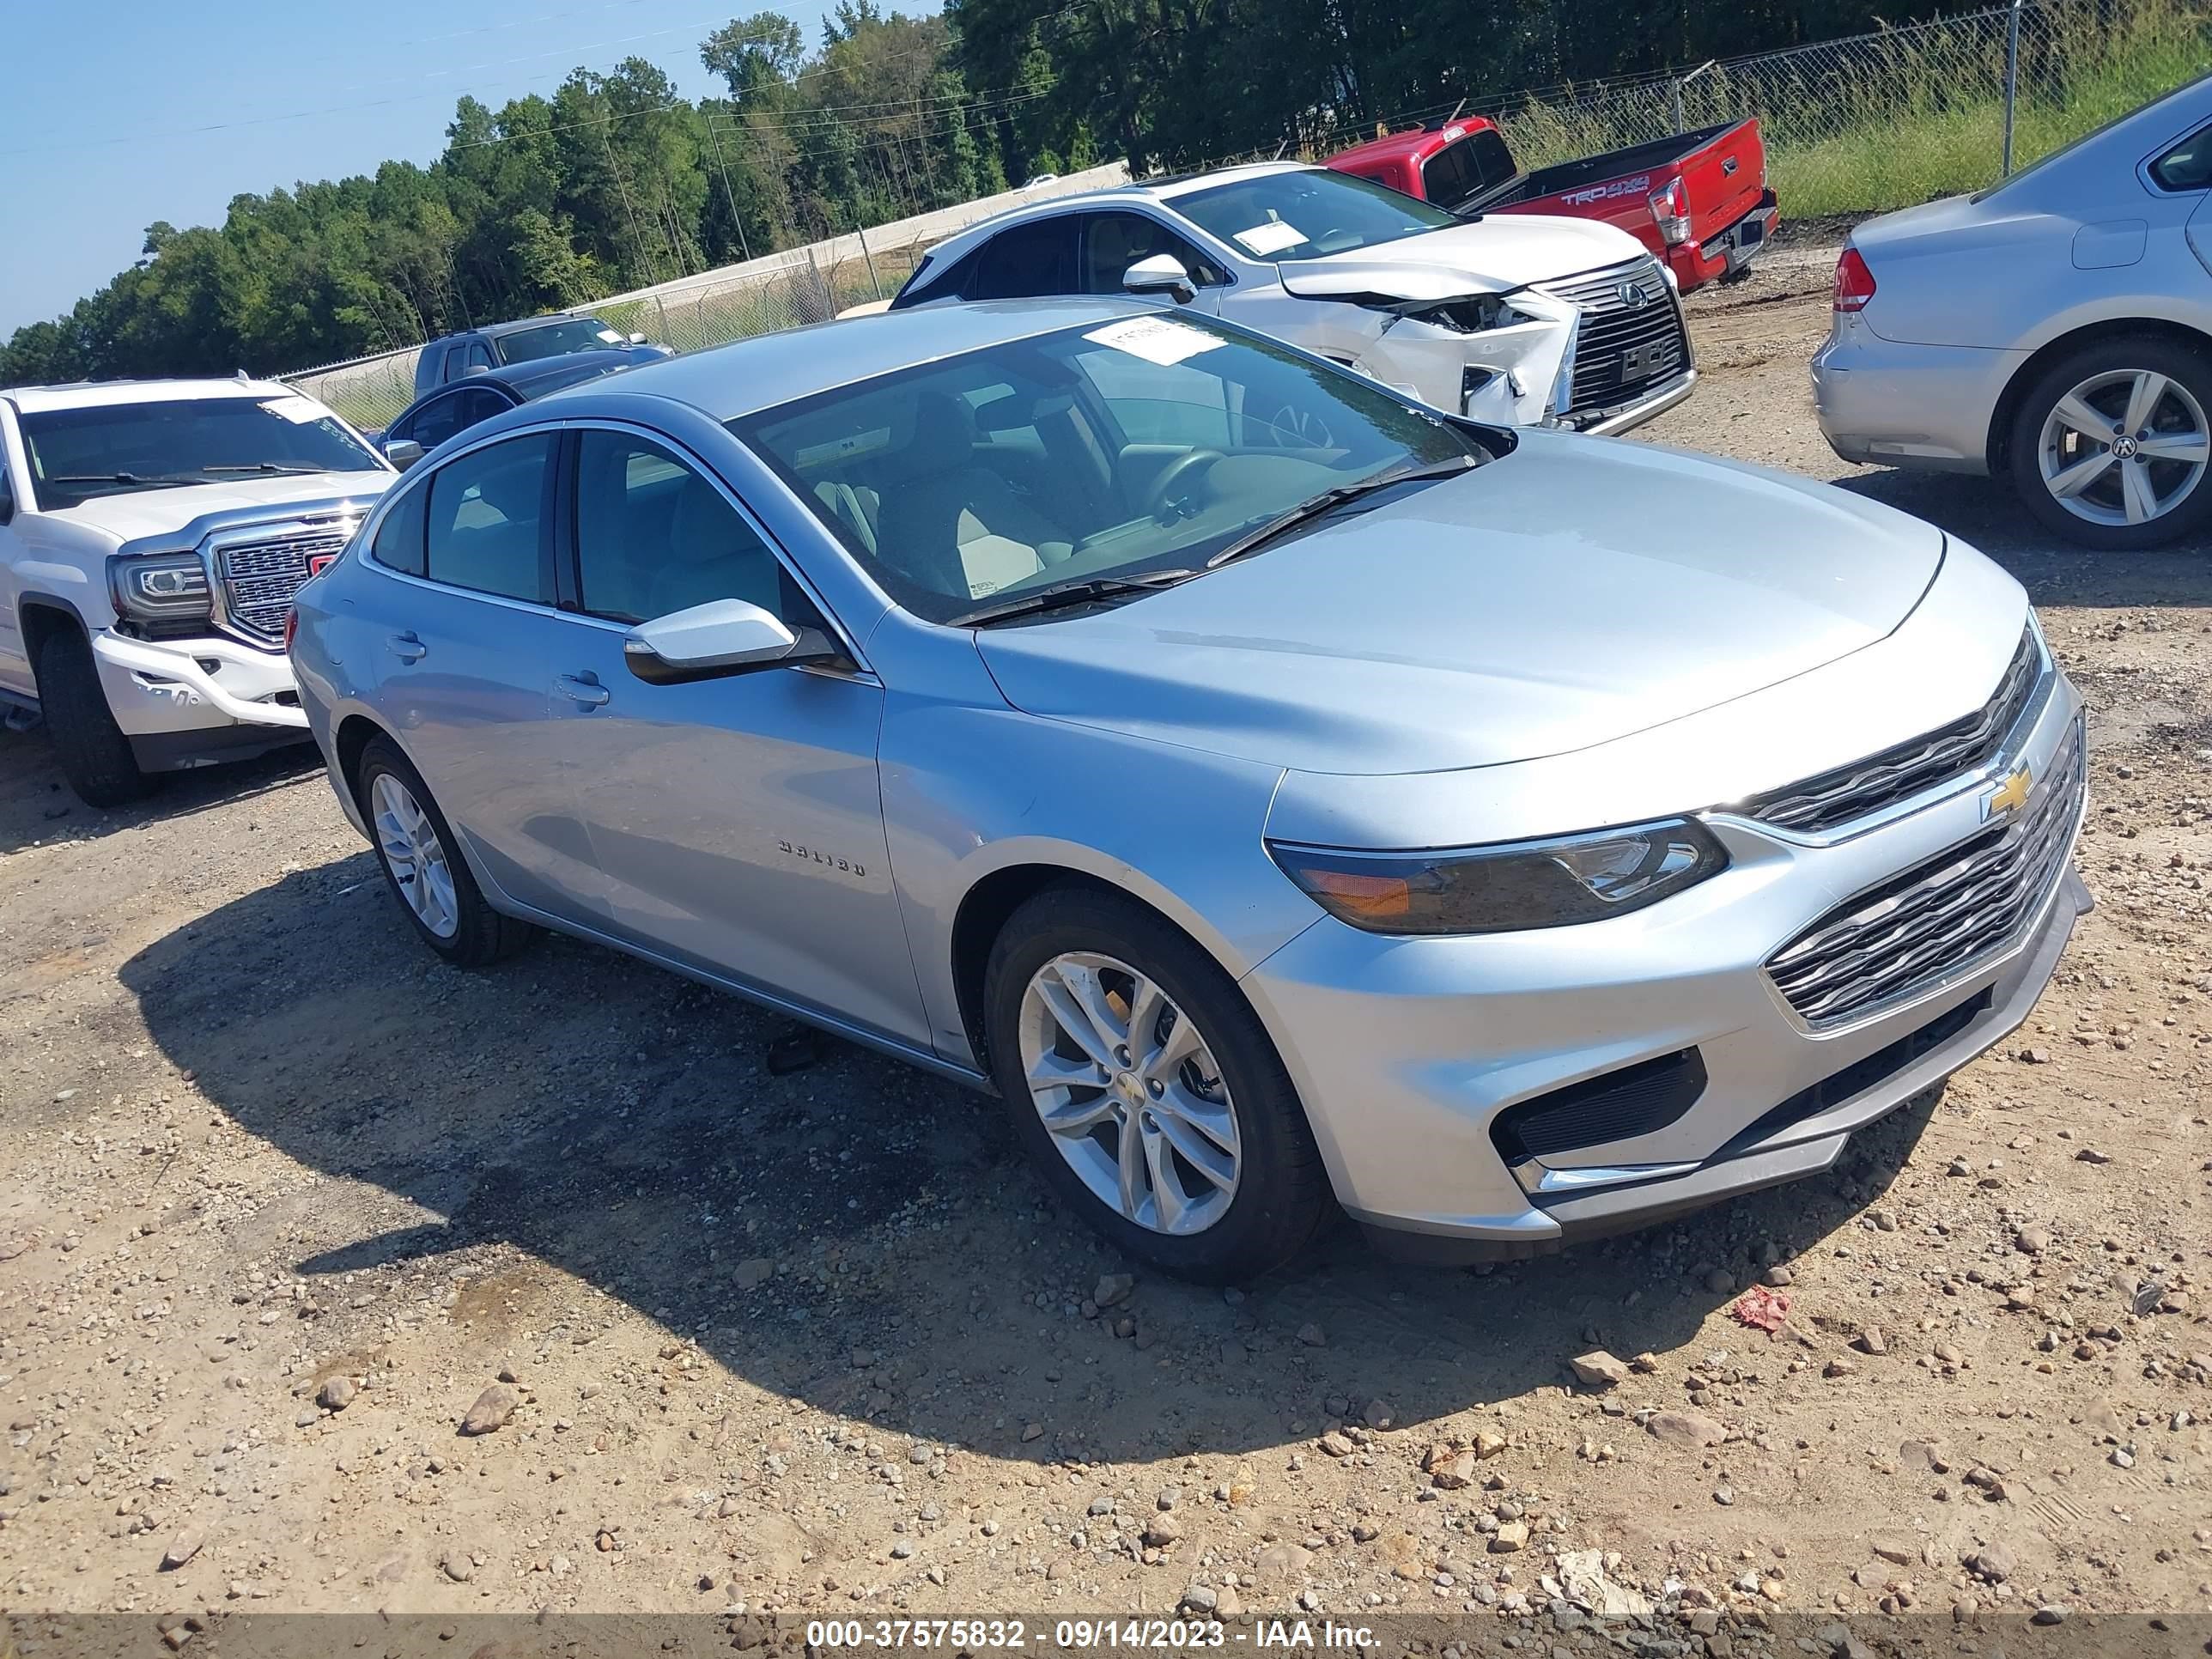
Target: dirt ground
column 281, row 1198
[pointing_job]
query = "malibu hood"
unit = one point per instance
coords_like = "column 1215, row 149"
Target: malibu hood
column 1571, row 592
column 1494, row 255
column 138, row 514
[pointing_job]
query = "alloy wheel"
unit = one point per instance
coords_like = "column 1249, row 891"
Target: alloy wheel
column 1127, row 1085
column 2125, row 446
column 414, row 855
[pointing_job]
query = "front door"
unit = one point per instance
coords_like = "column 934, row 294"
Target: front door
column 737, row 822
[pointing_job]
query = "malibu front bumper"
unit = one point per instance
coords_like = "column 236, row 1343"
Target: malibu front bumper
column 1413, row 1054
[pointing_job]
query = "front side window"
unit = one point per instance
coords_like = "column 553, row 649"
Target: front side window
column 1307, row 212
column 1027, row 260
column 7, row 495
column 653, row 536
column 557, row 339
column 77, row 454
column 1112, row 242
column 1144, row 444
column 487, row 524
column 434, row 423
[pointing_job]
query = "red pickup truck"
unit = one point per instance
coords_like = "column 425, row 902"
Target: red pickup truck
column 1697, row 200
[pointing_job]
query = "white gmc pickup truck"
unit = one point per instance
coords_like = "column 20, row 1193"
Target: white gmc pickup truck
column 152, row 534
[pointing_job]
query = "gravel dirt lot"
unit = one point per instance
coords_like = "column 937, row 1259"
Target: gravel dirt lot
column 283, row 1201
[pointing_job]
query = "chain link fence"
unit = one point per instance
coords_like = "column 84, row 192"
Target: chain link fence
column 1875, row 121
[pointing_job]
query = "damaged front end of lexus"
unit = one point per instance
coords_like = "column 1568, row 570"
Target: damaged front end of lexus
column 1599, row 353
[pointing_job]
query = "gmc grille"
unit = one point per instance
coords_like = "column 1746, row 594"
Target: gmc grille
column 260, row 577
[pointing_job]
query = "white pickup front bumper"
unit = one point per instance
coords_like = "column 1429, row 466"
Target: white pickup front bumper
column 184, row 686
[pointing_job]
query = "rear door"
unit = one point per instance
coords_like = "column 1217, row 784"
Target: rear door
column 462, row 645
column 737, row 822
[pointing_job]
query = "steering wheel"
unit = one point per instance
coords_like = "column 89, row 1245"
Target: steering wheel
column 1176, row 473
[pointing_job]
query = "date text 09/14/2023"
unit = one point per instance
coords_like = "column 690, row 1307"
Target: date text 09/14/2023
column 1082, row 1635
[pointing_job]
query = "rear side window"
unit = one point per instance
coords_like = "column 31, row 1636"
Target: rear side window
column 2188, row 165
column 489, row 529
column 398, row 545
column 949, row 281
column 1027, row 260
column 1445, row 180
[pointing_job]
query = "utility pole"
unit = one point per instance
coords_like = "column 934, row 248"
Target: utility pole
column 737, row 220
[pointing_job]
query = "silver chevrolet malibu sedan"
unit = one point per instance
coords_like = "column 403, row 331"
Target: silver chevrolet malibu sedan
column 1287, row 796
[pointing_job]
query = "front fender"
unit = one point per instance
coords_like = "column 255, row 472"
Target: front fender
column 971, row 791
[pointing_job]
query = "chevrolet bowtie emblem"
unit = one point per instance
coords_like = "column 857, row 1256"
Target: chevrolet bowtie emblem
column 2009, row 797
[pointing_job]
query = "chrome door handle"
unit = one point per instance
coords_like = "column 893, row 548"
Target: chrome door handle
column 407, row 647
column 577, row 689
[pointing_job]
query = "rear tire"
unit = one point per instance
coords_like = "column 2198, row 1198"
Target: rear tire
column 94, row 755
column 2097, row 379
column 423, row 865
column 1267, row 1194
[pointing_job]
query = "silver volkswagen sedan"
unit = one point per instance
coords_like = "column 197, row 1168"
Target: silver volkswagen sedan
column 1287, row 796
column 2055, row 331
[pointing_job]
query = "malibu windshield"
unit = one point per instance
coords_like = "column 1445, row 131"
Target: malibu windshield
column 1089, row 458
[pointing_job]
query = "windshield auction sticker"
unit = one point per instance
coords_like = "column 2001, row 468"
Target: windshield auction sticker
column 1272, row 236
column 301, row 412
column 1159, row 340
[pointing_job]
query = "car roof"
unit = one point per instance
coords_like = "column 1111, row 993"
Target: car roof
column 748, row 376
column 1413, row 142
column 494, row 330
column 99, row 394
column 1161, row 191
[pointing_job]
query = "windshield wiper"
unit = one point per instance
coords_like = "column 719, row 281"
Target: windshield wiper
column 1062, row 595
column 1330, row 499
column 125, row 478
column 265, row 466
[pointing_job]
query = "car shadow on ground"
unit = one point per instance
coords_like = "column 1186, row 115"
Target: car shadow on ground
column 1986, row 513
column 37, row 805
column 621, row 1125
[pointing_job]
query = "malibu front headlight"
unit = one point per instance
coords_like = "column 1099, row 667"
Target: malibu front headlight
column 1508, row 888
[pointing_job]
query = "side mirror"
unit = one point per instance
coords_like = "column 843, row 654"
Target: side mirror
column 1160, row 273
column 402, row 452
column 637, row 339
column 719, row 638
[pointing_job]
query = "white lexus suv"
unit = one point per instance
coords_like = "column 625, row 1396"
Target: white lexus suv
column 1518, row 319
column 152, row 534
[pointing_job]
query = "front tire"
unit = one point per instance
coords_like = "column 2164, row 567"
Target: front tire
column 2111, row 446
column 1138, row 1079
column 94, row 755
column 423, row 866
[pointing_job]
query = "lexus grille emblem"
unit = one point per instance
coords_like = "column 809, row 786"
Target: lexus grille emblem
column 1629, row 295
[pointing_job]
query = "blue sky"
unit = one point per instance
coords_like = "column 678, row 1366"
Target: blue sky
column 101, row 95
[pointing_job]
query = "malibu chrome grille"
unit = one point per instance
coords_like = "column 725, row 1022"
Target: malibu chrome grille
column 1919, row 929
column 1848, row 794
column 259, row 577
column 1623, row 346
